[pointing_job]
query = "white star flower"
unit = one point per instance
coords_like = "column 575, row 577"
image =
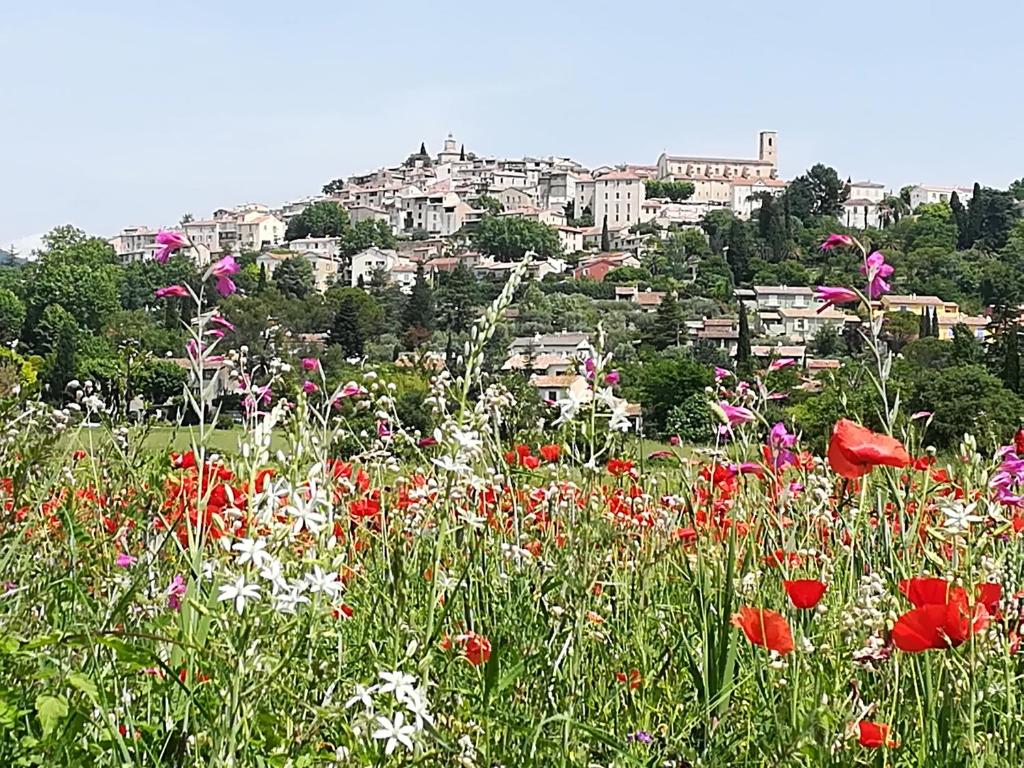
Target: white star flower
column 240, row 591
column 394, row 732
column 252, row 551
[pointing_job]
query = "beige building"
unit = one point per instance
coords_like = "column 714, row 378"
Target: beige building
column 618, row 195
column 436, row 213
column 257, row 231
column 514, row 198
column 712, row 177
column 134, row 244
column 743, row 192
column 861, row 209
column 925, row 193
column 325, row 270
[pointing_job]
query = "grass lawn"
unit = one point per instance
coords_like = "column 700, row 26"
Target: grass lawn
column 162, row 439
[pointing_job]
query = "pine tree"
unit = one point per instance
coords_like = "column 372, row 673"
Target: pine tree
column 606, row 241
column 419, row 309
column 743, row 340
column 345, row 331
column 1011, row 359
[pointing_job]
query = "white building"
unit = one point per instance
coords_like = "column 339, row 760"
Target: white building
column 567, row 344
column 373, row 259
column 437, row 213
column 618, row 195
column 924, row 193
column 743, row 191
column 861, row 209
column 257, row 231
column 323, row 247
column 802, row 324
column 134, row 244
column 712, row 177
column 325, row 270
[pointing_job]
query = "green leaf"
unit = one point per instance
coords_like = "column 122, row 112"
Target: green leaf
column 9, row 644
column 84, row 684
column 51, row 710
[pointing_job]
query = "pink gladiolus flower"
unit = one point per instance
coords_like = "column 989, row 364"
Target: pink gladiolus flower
column 674, row 440
column 351, row 390
column 383, row 430
column 426, row 442
column 721, row 373
column 125, row 561
column 835, row 241
column 736, row 414
column 612, row 379
column 589, row 368
column 175, row 592
column 834, row 295
column 310, row 364
column 171, row 290
column 654, row 455
column 309, row 387
column 170, row 241
column 921, row 415
column 876, row 270
column 782, row 362
column 781, row 441
column 217, row 333
column 222, row 321
column 222, row 270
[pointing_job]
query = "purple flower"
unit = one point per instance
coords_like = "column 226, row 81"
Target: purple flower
column 721, row 373
column 876, row 270
column 222, row 321
column 641, row 737
column 736, row 414
column 171, row 242
column 310, row 364
column 125, row 561
column 781, row 441
column 782, row 362
column 309, row 387
column 222, row 270
column 175, row 592
column 834, row 295
column 612, row 378
column 383, row 430
column 171, row 290
column 589, row 367
column 835, row 241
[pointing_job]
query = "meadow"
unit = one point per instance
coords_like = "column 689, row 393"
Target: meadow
column 567, row 597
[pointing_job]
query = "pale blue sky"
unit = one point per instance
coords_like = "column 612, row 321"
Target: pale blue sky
column 116, row 113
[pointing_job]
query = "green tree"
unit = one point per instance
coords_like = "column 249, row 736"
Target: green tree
column 899, row 328
column 606, row 243
column 366, row 234
column 294, row 277
column 692, row 421
column 975, row 213
column 160, row 381
column 76, row 272
column 12, row 316
column 419, row 309
column 966, row 348
column 669, row 327
column 1016, row 189
column 493, row 205
column 826, row 341
column 740, row 249
column 818, row 192
column 509, row 238
column 57, row 335
column 345, row 332
column 1011, row 359
column 673, row 190
column 321, row 219
column 960, row 219
column 333, row 187
column 967, row 399
column 924, row 324
column 743, row 356
column 458, row 295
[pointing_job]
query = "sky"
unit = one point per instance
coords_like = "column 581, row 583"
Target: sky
column 121, row 113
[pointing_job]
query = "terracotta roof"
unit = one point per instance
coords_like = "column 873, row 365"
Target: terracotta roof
column 618, row 176
column 753, row 181
column 823, row 364
column 826, row 314
column 726, row 160
column 788, row 290
column 779, row 350
column 867, row 185
column 896, row 298
column 562, row 380
column 652, row 298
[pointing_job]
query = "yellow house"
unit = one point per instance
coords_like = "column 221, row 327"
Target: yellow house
column 947, row 312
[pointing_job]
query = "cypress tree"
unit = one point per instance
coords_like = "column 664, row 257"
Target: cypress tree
column 261, row 285
column 975, row 214
column 960, row 219
column 743, row 340
column 606, row 242
column 935, row 323
column 462, row 152
column 423, row 149
column 1011, row 360
column 924, row 329
column 419, row 309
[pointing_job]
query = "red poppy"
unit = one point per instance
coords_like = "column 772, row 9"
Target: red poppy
column 805, row 593
column 937, row 626
column 364, row 507
column 550, row 452
column 618, row 467
column 765, row 628
column 922, row 590
column 854, row 450
column 874, row 735
column 531, row 462
column 633, row 679
column 476, row 648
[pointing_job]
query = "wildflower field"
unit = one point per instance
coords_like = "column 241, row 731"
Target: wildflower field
column 470, row 598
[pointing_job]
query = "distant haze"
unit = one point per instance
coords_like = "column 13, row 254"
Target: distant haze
column 121, row 113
